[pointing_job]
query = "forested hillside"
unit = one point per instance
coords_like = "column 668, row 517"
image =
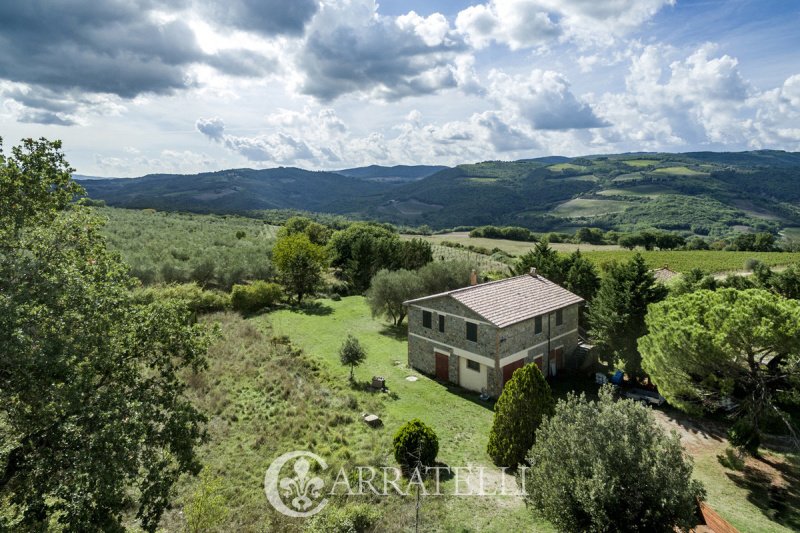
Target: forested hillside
column 703, row 193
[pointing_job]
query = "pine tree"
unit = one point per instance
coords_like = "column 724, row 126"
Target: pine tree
column 545, row 260
column 581, row 276
column 616, row 315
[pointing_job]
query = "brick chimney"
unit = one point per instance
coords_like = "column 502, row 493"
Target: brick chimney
column 473, row 278
column 533, row 271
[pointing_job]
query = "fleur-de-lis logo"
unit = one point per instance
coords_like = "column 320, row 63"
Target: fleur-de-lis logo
column 301, row 490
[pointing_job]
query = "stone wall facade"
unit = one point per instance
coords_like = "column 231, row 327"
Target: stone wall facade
column 495, row 347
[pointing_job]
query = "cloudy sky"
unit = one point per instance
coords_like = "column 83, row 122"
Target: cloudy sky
column 140, row 86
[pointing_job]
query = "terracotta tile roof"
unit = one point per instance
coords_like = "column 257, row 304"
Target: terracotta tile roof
column 511, row 300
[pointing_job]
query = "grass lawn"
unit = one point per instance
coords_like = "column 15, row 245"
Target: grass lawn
column 640, row 162
column 566, row 166
column 747, row 498
column 460, row 419
column 679, row 171
column 649, row 190
column 792, row 233
column 588, row 207
column 266, row 394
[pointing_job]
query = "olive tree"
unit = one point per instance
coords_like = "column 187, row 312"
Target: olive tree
column 389, row 289
column 352, row 354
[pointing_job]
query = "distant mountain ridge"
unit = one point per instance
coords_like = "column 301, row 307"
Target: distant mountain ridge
column 397, row 172
column 705, row 193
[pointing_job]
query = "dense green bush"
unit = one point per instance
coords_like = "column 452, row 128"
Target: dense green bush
column 609, row 466
column 358, row 518
column 525, row 401
column 338, row 287
column 191, row 295
column 415, row 444
column 255, row 296
column 752, row 242
column 652, row 239
column 574, row 272
column 361, row 250
column 512, row 233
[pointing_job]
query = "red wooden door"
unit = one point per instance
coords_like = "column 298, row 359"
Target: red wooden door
column 508, row 370
column 442, row 366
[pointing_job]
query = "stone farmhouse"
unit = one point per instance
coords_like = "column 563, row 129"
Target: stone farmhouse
column 475, row 337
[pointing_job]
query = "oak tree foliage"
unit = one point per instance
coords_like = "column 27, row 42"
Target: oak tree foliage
column 300, row 264
column 93, row 418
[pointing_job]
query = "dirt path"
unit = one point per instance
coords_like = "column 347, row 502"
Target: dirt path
column 696, row 436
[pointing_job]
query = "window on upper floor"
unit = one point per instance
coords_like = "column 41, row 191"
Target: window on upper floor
column 441, row 323
column 472, row 332
column 472, row 365
column 537, row 325
column 426, row 319
column 559, row 317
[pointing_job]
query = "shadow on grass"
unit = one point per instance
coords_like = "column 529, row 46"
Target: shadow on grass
column 429, row 474
column 313, row 308
column 707, row 427
column 366, row 386
column 468, row 395
column 773, row 485
column 362, row 386
column 398, row 333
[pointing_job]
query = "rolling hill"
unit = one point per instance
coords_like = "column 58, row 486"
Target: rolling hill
column 704, row 193
column 395, row 173
column 239, row 190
